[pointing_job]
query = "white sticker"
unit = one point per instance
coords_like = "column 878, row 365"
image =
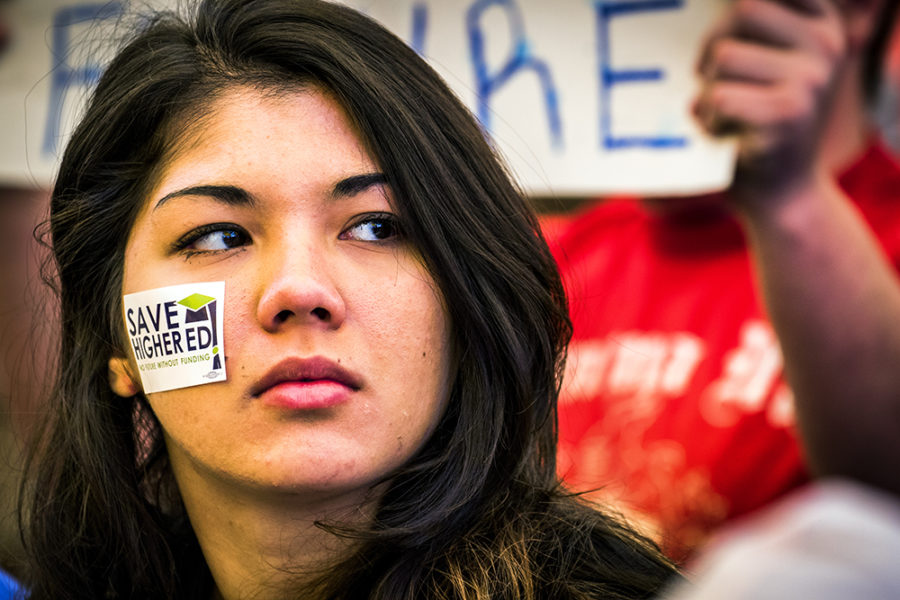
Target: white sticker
column 176, row 335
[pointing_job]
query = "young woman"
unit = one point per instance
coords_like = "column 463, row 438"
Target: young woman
column 394, row 330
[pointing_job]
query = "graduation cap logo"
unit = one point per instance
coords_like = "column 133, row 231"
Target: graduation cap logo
column 203, row 308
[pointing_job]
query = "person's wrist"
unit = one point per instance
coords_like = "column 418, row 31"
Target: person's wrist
column 787, row 204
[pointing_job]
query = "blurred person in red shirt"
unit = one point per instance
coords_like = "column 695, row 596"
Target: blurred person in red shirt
column 688, row 311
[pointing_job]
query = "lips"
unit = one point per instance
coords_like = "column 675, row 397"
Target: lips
column 306, row 383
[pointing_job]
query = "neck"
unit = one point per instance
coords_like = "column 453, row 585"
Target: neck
column 262, row 544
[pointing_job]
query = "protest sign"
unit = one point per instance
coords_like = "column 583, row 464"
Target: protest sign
column 580, row 97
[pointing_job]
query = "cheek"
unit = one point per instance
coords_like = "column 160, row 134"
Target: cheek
column 173, row 410
column 410, row 333
column 239, row 318
column 406, row 317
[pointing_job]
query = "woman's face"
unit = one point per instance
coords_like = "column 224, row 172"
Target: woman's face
column 336, row 339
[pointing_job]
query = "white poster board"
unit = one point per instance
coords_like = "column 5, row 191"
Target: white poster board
column 582, row 97
column 55, row 56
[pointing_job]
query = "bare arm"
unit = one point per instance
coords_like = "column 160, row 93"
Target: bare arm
column 835, row 304
column 829, row 289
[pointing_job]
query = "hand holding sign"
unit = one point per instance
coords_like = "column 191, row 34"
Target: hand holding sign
column 769, row 69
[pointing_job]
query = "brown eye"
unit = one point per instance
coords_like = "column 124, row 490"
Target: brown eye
column 377, row 228
column 220, row 240
column 215, row 237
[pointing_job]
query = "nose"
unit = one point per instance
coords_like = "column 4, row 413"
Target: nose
column 298, row 288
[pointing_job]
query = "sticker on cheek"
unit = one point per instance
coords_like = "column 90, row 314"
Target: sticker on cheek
column 176, row 335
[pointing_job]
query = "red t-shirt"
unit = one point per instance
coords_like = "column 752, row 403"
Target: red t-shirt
column 673, row 404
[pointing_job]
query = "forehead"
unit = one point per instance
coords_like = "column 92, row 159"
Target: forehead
column 246, row 128
column 244, row 109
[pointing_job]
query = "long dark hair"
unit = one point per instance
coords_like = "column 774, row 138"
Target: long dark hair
column 477, row 513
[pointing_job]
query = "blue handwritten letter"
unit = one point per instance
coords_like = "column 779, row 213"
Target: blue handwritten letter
column 610, row 77
column 521, row 58
column 66, row 76
column 419, row 27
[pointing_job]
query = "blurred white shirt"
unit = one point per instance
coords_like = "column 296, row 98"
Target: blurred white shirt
column 835, row 540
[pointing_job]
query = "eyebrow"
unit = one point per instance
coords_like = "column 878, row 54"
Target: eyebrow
column 236, row 196
column 229, row 194
column 356, row 184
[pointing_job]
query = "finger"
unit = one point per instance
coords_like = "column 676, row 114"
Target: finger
column 784, row 25
column 742, row 61
column 748, row 106
column 723, row 28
